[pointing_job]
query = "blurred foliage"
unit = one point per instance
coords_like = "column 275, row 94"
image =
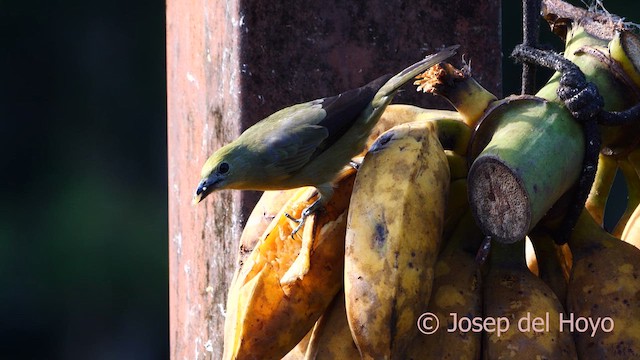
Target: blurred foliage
column 83, row 231
column 83, row 225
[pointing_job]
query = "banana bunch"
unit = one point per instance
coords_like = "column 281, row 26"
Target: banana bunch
column 385, row 223
column 398, row 264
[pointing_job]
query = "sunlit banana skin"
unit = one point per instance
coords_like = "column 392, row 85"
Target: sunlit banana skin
column 260, row 306
column 625, row 49
column 512, row 292
column 457, row 288
column 604, row 282
column 553, row 267
column 631, row 232
column 394, row 231
column 450, row 128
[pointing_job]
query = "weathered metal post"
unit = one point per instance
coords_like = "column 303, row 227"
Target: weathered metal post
column 231, row 63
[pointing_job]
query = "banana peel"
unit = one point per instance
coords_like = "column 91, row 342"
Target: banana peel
column 260, row 305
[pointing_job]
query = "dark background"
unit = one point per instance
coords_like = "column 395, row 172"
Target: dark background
column 83, row 201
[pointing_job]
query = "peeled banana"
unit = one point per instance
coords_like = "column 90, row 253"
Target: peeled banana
column 260, row 305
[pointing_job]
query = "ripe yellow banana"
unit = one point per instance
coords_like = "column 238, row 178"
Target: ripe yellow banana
column 457, row 206
column 457, row 289
column 331, row 337
column 625, row 49
column 452, row 132
column 530, row 255
column 603, row 293
column 393, row 236
column 631, row 233
column 525, row 310
column 261, row 305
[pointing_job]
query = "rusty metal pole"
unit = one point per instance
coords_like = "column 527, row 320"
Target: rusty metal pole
column 231, row 63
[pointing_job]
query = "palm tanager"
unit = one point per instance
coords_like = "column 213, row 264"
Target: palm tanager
column 306, row 144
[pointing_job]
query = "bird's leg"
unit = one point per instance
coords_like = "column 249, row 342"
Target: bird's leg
column 355, row 163
column 324, row 192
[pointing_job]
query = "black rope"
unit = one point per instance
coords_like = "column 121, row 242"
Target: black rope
column 585, row 103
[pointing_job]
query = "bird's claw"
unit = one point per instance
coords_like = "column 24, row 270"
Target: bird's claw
column 299, row 221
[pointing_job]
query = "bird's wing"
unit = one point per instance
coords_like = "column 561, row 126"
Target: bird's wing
column 343, row 110
column 288, row 151
column 300, row 133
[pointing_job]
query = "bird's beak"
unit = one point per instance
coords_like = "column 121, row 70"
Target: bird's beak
column 205, row 188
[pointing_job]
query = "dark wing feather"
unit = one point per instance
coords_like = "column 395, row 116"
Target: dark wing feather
column 304, row 131
column 344, row 109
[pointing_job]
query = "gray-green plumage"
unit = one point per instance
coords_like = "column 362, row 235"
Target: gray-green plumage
column 308, row 143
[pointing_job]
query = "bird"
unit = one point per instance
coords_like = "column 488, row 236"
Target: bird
column 306, row 144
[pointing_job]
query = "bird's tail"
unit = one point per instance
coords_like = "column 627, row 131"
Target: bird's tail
column 391, row 86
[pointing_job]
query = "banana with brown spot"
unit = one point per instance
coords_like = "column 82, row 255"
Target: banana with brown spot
column 394, row 232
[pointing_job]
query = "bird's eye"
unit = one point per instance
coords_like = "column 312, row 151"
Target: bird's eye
column 223, row 168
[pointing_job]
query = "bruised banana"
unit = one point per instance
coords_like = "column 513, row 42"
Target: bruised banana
column 394, row 231
column 516, row 299
column 260, row 305
column 457, row 290
column 331, row 337
column 603, row 295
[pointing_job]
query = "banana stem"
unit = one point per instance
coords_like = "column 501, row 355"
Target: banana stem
column 459, row 88
column 530, row 153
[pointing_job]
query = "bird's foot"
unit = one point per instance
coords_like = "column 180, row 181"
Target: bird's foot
column 305, row 213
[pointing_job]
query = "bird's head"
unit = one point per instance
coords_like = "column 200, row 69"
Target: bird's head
column 225, row 169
